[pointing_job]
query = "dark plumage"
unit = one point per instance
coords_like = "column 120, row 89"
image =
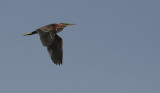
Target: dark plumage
column 50, row 39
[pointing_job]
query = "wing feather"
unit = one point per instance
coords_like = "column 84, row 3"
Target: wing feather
column 56, row 51
column 46, row 38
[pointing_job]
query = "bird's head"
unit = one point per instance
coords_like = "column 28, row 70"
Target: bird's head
column 66, row 24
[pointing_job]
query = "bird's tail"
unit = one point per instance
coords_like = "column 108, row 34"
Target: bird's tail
column 34, row 32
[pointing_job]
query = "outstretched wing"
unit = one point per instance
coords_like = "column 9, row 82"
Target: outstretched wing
column 46, row 38
column 56, row 51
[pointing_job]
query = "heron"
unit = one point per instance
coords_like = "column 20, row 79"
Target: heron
column 50, row 39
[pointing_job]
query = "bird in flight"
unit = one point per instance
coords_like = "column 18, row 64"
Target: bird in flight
column 50, row 39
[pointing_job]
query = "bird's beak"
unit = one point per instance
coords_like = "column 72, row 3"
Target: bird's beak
column 70, row 24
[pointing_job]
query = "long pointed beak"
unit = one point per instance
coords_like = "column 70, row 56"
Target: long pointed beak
column 71, row 24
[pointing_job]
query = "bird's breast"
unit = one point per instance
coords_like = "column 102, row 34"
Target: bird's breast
column 59, row 29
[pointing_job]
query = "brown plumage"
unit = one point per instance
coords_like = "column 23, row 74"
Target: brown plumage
column 50, row 39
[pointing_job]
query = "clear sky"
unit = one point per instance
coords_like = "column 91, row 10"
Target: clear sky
column 114, row 48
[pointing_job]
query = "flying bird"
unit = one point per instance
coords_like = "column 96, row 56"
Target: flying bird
column 50, row 39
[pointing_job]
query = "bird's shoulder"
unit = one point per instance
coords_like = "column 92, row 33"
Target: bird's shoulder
column 48, row 28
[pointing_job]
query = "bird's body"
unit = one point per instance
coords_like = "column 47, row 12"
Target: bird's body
column 50, row 39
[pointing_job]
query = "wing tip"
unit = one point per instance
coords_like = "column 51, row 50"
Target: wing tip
column 58, row 63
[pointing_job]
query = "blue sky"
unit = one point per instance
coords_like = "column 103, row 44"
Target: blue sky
column 113, row 48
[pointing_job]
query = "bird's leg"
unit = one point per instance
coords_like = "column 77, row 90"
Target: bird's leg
column 34, row 32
